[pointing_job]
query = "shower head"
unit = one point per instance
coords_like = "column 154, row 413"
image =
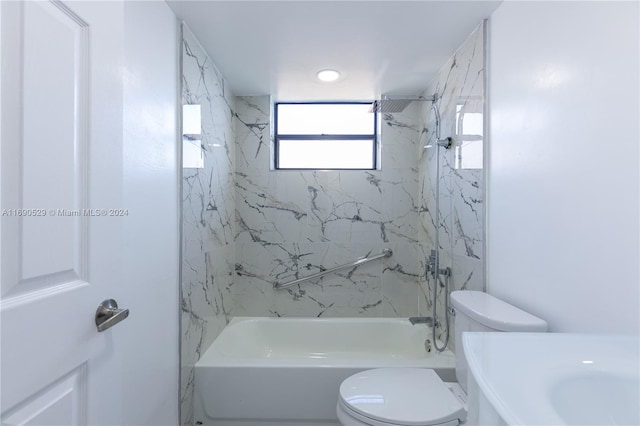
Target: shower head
column 387, row 105
column 391, row 104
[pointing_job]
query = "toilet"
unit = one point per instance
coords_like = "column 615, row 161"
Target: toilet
column 417, row 396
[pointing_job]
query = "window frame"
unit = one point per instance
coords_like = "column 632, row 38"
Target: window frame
column 373, row 137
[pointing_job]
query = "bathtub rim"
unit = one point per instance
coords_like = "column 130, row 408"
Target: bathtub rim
column 209, row 358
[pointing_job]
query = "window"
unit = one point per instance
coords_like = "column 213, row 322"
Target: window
column 325, row 136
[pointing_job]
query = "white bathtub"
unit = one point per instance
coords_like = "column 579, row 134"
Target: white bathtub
column 262, row 371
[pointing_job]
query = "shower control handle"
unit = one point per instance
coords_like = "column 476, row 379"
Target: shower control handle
column 445, row 143
column 431, row 264
column 108, row 314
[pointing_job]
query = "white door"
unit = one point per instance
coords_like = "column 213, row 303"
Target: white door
column 61, row 159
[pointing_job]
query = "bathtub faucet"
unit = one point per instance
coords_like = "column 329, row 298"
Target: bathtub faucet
column 422, row 320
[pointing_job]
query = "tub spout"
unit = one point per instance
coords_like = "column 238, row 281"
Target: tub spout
column 420, row 320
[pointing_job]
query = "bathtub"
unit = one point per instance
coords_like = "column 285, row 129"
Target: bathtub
column 287, row 371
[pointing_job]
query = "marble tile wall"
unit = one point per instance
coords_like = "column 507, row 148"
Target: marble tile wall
column 290, row 224
column 208, row 216
column 460, row 85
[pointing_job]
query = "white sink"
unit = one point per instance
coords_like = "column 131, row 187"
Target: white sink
column 553, row 379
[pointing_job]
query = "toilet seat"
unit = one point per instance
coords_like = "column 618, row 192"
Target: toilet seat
column 400, row 396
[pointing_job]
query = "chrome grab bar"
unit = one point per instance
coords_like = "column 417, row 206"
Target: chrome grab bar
column 385, row 253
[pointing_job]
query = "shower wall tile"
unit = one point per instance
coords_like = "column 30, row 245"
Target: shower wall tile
column 208, row 222
column 351, row 292
column 273, row 207
column 291, row 224
column 253, row 134
column 246, row 227
column 468, row 274
column 460, row 86
column 400, row 274
column 348, row 206
column 467, row 203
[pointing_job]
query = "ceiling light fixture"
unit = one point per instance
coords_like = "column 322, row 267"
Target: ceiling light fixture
column 328, row 75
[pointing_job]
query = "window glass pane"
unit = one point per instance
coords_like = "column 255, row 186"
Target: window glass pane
column 328, row 119
column 326, row 154
column 472, row 124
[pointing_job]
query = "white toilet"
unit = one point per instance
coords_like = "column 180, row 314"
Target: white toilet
column 417, row 396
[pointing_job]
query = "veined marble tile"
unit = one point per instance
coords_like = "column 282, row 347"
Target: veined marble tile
column 349, row 206
column 350, row 292
column 469, row 274
column 252, row 120
column 468, row 238
column 400, row 137
column 459, row 219
column 208, row 206
column 405, row 221
column 399, row 128
column 208, row 216
column 401, row 276
column 271, row 207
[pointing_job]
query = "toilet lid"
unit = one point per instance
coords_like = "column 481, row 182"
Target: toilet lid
column 402, row 396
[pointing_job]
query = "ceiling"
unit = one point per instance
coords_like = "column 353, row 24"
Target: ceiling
column 380, row 47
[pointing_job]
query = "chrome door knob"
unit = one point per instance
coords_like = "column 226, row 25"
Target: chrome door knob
column 108, row 314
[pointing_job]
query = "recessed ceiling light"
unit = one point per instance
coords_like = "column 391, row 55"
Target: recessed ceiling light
column 328, row 75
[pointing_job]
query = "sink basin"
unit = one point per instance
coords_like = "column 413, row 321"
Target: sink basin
column 554, row 378
column 596, row 398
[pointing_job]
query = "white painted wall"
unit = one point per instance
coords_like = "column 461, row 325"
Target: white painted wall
column 563, row 163
column 151, row 257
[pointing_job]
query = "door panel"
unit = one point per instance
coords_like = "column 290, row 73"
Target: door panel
column 49, row 168
column 54, row 143
column 49, row 174
column 36, row 355
column 60, row 404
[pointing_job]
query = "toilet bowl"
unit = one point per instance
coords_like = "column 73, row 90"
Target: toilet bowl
column 417, row 396
column 400, row 396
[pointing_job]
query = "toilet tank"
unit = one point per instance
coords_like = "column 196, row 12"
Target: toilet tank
column 478, row 311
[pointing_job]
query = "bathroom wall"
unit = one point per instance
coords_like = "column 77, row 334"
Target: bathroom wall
column 563, row 163
column 460, row 87
column 291, row 224
column 146, row 343
column 208, row 215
